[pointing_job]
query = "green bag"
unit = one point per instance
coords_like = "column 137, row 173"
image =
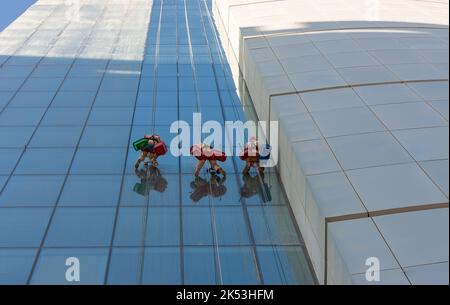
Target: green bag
column 139, row 144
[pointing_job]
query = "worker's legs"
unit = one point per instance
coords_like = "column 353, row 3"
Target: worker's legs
column 199, row 167
column 153, row 158
column 217, row 167
column 250, row 162
column 141, row 158
column 247, row 167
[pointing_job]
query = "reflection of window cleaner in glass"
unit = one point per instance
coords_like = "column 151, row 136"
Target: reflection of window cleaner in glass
column 214, row 187
column 252, row 157
column 253, row 185
column 203, row 153
column 151, row 179
column 151, row 147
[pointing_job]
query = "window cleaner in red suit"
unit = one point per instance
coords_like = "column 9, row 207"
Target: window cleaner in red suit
column 151, row 147
column 203, row 153
column 252, row 157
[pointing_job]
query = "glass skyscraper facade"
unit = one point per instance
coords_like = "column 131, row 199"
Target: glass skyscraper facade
column 77, row 86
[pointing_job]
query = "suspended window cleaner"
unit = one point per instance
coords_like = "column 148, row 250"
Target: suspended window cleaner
column 151, row 147
column 254, row 156
column 203, row 153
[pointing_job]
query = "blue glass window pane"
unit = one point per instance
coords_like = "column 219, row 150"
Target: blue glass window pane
column 15, row 71
column 124, row 268
column 166, row 84
column 145, row 99
column 61, row 136
column 284, row 265
column 32, row 191
column 231, row 226
column 238, row 266
column 98, row 161
column 143, row 116
column 130, row 227
column 81, row 227
column 166, row 99
column 167, row 70
column 42, row 84
column 197, row 228
column 206, row 84
column 62, row 117
column 186, row 84
column 47, row 61
column 86, row 71
column 32, row 99
column 148, row 70
column 147, row 84
column 51, row 267
column 162, row 266
column 209, row 98
column 163, row 226
column 211, row 114
column 91, row 190
column 45, row 161
column 226, row 99
column 222, row 83
column 21, row 116
column 165, row 116
column 81, row 84
column 23, row 227
column 5, row 97
column 73, row 99
column 3, row 181
column 90, row 63
column 111, row 116
column 119, row 84
column 115, row 99
column 199, row 266
column 185, row 70
column 50, row 71
column 273, row 225
column 123, row 68
column 15, row 265
column 11, row 84
column 23, row 60
column 8, row 159
column 105, row 136
column 188, row 99
column 186, row 113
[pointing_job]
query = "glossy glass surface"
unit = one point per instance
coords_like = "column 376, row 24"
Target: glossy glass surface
column 67, row 180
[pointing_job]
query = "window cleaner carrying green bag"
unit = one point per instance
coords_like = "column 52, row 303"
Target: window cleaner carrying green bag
column 151, row 147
